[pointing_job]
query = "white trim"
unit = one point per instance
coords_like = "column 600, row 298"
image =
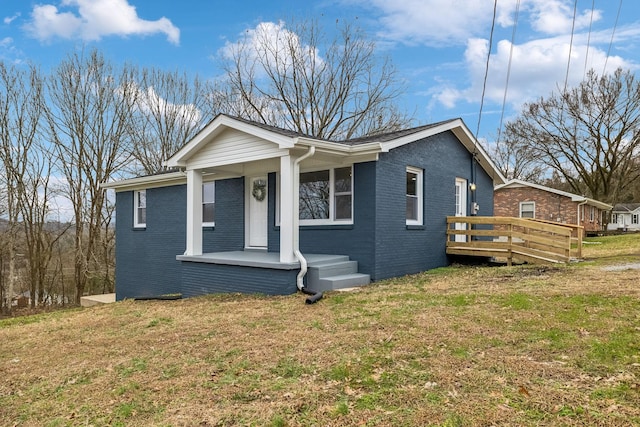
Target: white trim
column 211, row 223
column 144, row 182
column 136, row 220
column 285, row 199
column 194, row 213
column 528, row 202
column 332, row 202
column 419, row 195
column 219, row 124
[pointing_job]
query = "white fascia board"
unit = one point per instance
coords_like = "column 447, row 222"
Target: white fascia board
column 463, row 134
column 149, row 181
column 219, row 124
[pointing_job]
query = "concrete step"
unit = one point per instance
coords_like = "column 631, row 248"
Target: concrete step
column 319, row 271
column 341, row 281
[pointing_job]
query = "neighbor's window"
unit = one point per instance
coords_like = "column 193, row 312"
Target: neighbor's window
column 208, row 203
column 414, row 196
column 326, row 196
column 527, row 209
column 634, row 218
column 592, row 213
column 140, row 208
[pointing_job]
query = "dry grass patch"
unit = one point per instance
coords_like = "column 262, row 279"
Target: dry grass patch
column 456, row 346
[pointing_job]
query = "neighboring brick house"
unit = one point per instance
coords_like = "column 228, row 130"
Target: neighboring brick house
column 524, row 199
column 625, row 216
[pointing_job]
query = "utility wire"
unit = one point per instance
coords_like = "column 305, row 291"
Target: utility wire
column 586, row 56
column 573, row 26
column 486, row 73
column 506, row 85
column 615, row 25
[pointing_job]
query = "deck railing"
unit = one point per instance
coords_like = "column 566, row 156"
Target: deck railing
column 513, row 238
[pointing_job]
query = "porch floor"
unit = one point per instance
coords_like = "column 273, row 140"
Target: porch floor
column 258, row 258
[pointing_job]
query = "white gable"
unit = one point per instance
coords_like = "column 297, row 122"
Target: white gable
column 232, row 146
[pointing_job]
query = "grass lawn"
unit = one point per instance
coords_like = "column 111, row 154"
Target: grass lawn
column 456, row 346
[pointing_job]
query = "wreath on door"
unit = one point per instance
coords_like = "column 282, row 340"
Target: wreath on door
column 259, row 190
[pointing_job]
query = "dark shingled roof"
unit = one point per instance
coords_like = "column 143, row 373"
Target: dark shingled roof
column 389, row 136
column 383, row 137
column 626, row 207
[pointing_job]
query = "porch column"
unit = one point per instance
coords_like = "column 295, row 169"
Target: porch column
column 286, row 208
column 194, row 213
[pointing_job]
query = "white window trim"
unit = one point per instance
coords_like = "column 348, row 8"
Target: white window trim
column 420, row 195
column 332, row 202
column 213, row 223
column 635, row 218
column 331, row 220
column 527, row 203
column 136, row 220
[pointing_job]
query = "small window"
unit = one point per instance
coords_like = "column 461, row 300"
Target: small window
column 414, row 196
column 634, row 218
column 208, row 203
column 140, row 208
column 527, row 209
column 592, row 213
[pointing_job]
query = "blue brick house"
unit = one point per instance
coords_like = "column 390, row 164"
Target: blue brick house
column 258, row 209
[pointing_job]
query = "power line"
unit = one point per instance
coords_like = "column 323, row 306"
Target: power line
column 573, row 26
column 506, row 85
column 615, row 25
column 486, row 70
column 586, row 56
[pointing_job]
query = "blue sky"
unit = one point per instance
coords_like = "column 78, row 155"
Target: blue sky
column 438, row 46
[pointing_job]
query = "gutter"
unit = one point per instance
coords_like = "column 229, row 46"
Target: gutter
column 296, row 230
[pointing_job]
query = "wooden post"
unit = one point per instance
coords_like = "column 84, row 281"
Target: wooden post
column 580, row 232
column 509, row 245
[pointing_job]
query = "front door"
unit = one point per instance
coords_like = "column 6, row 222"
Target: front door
column 257, row 212
column 461, row 207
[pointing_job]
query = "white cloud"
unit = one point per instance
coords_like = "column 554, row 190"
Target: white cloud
column 556, row 16
column 432, row 22
column 94, row 20
column 538, row 67
column 9, row 19
column 272, row 44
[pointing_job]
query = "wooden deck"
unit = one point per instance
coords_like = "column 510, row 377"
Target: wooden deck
column 514, row 239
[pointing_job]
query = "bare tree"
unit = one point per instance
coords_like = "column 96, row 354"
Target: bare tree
column 590, row 134
column 90, row 104
column 169, row 110
column 21, row 109
column 515, row 158
column 295, row 79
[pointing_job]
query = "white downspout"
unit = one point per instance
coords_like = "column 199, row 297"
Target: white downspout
column 296, row 217
column 580, row 204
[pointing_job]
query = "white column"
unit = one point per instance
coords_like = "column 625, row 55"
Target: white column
column 286, row 209
column 194, row 213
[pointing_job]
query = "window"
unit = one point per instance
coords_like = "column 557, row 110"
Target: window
column 634, row 218
column 326, row 196
column 592, row 213
column 527, row 209
column 414, row 196
column 208, row 203
column 140, row 208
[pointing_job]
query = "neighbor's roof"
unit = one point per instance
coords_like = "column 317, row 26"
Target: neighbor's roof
column 517, row 183
column 626, row 207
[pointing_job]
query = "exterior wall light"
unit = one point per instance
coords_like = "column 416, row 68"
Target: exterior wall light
column 472, row 186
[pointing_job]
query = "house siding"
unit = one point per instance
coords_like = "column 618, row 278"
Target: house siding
column 548, row 206
column 228, row 233
column 146, row 258
column 203, row 278
column 402, row 249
